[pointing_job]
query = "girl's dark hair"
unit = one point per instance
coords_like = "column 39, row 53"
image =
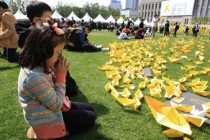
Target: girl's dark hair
column 4, row 5
column 36, row 9
column 39, row 46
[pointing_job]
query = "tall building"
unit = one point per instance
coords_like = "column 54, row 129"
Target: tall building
column 148, row 8
column 129, row 8
column 201, row 8
column 115, row 4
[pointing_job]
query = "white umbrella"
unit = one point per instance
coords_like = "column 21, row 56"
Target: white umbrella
column 87, row 18
column 20, row 16
column 99, row 18
column 56, row 15
column 74, row 16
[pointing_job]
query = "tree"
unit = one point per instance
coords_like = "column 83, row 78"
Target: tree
column 114, row 12
column 195, row 20
column 94, row 8
column 104, row 12
column 63, row 9
column 17, row 4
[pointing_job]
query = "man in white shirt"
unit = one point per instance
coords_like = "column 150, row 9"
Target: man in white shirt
column 155, row 25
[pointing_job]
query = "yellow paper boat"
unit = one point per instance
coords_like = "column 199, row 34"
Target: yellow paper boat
column 108, row 87
column 182, row 80
column 119, row 54
column 129, row 102
column 138, row 94
column 155, row 92
column 182, row 107
column 126, row 93
column 171, row 133
column 196, row 120
column 198, row 62
column 186, row 138
column 207, row 69
column 114, row 93
column 115, row 81
column 206, row 107
column 194, row 73
column 142, row 85
column 126, row 80
column 168, row 116
column 172, row 91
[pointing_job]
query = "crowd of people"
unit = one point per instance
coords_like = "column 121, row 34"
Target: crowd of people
column 125, row 31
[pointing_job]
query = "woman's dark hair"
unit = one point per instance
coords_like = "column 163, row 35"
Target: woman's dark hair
column 4, row 5
column 89, row 27
column 39, row 46
column 36, row 9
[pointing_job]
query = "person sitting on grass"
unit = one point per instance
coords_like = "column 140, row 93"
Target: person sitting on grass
column 125, row 33
column 139, row 34
column 77, row 40
column 41, row 87
column 41, row 12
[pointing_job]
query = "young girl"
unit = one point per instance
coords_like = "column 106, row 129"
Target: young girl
column 41, row 87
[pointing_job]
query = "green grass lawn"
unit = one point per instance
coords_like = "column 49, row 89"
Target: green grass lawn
column 113, row 121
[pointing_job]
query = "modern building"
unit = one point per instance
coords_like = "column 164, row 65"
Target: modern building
column 115, row 4
column 147, row 9
column 129, row 8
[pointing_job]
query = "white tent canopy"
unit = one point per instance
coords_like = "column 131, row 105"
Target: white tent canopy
column 120, row 20
column 146, row 23
column 110, row 18
column 56, row 15
column 20, row 16
column 99, row 18
column 130, row 19
column 137, row 22
column 74, row 16
column 87, row 18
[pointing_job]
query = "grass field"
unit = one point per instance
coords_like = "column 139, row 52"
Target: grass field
column 114, row 122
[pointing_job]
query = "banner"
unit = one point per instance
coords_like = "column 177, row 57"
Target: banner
column 177, row 7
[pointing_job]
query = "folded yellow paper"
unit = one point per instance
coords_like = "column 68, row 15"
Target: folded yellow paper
column 168, row 116
column 108, row 87
column 196, row 120
column 171, row 133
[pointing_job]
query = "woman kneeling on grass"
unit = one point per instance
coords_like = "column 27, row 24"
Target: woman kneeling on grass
column 41, row 87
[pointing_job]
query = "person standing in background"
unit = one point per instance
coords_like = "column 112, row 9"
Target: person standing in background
column 8, row 34
column 155, row 25
column 176, row 28
column 166, row 33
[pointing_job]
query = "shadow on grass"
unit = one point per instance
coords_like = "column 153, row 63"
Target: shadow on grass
column 80, row 97
column 91, row 134
column 100, row 109
column 8, row 68
column 82, row 51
